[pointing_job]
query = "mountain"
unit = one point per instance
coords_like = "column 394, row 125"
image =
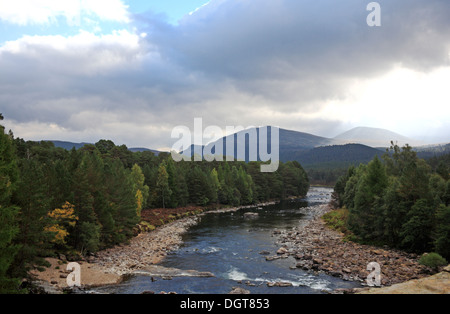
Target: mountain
column 290, row 142
column 69, row 145
column 142, row 149
column 294, row 139
column 334, row 156
column 375, row 137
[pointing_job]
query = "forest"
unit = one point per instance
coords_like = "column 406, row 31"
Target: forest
column 398, row 200
column 55, row 200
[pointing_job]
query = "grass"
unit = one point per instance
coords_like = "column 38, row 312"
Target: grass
column 337, row 220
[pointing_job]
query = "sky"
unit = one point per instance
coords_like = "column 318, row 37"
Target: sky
column 132, row 70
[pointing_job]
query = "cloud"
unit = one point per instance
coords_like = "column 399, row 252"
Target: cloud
column 29, row 12
column 244, row 62
column 263, row 43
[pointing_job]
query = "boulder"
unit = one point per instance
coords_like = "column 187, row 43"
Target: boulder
column 279, row 284
column 238, row 290
column 251, row 215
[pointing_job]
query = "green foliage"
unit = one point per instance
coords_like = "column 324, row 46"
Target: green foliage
column 363, row 215
column 415, row 232
column 89, row 237
column 337, row 220
column 432, row 260
column 401, row 202
column 32, row 198
column 8, row 214
column 442, row 236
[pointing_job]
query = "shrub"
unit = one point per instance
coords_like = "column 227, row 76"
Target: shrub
column 432, row 260
column 337, row 220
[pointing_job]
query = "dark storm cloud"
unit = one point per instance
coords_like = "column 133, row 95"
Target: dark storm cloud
column 222, row 62
column 315, row 43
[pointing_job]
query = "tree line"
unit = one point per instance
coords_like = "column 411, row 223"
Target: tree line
column 81, row 201
column 399, row 200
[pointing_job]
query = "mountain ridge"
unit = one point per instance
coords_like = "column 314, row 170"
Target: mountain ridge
column 310, row 149
column 375, row 137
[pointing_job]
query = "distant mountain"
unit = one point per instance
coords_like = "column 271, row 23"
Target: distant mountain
column 294, row 139
column 142, row 149
column 375, row 137
column 290, row 142
column 69, row 145
column 338, row 156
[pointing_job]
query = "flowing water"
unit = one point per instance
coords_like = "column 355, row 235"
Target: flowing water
column 233, row 248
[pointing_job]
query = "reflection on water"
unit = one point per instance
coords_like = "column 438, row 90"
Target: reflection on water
column 234, row 248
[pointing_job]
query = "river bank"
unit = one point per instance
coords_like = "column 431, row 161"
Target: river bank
column 318, row 248
column 141, row 255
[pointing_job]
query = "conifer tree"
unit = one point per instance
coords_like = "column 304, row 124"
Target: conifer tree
column 31, row 195
column 442, row 236
column 369, row 190
column 8, row 213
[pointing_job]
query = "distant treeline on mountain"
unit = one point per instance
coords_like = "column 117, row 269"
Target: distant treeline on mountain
column 324, row 159
column 334, row 155
column 69, row 145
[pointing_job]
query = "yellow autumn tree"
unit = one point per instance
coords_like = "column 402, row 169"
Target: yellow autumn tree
column 141, row 191
column 139, row 202
column 63, row 218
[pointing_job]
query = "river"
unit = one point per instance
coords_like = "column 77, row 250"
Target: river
column 234, row 249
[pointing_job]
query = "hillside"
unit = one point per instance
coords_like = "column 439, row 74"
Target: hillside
column 291, row 142
column 338, row 155
column 375, row 137
column 69, row 145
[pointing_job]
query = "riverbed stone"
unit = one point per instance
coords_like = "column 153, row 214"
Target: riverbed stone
column 239, row 290
column 316, row 247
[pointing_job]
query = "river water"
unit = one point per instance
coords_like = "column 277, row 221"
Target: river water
column 232, row 248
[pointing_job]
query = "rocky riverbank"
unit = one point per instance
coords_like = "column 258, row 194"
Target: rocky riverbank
column 139, row 256
column 110, row 266
column 144, row 250
column 318, row 248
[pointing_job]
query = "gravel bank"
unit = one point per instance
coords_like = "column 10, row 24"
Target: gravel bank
column 318, row 248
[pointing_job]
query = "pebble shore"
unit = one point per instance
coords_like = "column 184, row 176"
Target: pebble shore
column 318, row 248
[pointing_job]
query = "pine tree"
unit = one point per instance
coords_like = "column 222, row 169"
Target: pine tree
column 442, row 237
column 416, row 232
column 88, row 180
column 370, row 188
column 446, row 197
column 172, row 181
column 8, row 213
column 122, row 201
column 31, row 195
column 393, row 216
